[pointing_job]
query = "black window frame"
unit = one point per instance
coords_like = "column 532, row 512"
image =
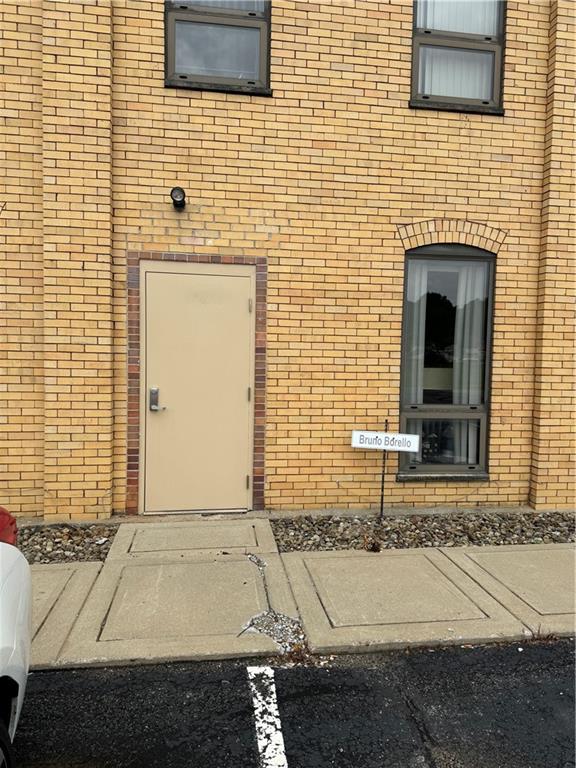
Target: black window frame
column 407, row 470
column 461, row 41
column 188, row 10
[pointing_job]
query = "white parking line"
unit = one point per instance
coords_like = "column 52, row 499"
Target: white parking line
column 267, row 717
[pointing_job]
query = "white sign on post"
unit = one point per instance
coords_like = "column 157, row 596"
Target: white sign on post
column 385, row 441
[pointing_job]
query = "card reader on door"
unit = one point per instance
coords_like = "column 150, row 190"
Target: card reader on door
column 154, row 398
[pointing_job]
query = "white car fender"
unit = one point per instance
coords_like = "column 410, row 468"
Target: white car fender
column 15, row 622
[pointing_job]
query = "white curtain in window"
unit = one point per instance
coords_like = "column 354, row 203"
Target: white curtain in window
column 466, row 442
column 455, row 72
column 469, row 355
column 417, row 293
column 472, row 17
column 468, row 382
column 254, row 6
column 416, row 330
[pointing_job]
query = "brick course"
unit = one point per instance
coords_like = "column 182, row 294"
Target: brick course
column 327, row 182
column 21, row 258
column 554, row 444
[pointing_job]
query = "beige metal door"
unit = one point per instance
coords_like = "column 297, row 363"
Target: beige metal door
column 196, row 387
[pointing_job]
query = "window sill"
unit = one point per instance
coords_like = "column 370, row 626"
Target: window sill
column 421, row 477
column 238, row 89
column 456, row 107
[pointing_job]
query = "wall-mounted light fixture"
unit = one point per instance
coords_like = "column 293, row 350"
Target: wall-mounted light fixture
column 178, row 197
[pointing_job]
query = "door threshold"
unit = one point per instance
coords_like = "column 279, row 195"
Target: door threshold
column 199, row 512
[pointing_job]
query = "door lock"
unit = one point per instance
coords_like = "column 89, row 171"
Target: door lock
column 153, row 399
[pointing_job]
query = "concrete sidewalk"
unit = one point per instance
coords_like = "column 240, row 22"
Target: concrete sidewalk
column 190, row 590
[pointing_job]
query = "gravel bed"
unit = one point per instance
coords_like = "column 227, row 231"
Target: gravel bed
column 65, row 542
column 442, row 530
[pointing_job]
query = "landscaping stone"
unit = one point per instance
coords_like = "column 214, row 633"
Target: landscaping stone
column 461, row 529
column 65, row 542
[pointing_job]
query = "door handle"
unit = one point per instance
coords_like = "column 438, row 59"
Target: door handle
column 153, row 399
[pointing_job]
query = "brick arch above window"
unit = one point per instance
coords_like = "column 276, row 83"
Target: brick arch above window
column 433, row 231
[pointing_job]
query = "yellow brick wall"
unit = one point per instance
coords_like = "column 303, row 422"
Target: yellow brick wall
column 76, row 165
column 329, row 179
column 21, row 254
column 552, row 482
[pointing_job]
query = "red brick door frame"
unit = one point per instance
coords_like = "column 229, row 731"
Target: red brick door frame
column 133, row 437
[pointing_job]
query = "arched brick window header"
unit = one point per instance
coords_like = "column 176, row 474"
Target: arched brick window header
column 436, row 231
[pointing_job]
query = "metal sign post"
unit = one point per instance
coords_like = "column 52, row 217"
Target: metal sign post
column 385, row 441
column 383, row 476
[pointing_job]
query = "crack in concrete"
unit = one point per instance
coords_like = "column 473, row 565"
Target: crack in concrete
column 286, row 631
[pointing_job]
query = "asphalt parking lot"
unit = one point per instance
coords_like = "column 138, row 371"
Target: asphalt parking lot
column 486, row 707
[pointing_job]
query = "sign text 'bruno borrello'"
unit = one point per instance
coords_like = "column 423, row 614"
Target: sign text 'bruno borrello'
column 385, row 441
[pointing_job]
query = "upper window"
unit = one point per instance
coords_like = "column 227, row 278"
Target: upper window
column 218, row 45
column 457, row 55
column 445, row 359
